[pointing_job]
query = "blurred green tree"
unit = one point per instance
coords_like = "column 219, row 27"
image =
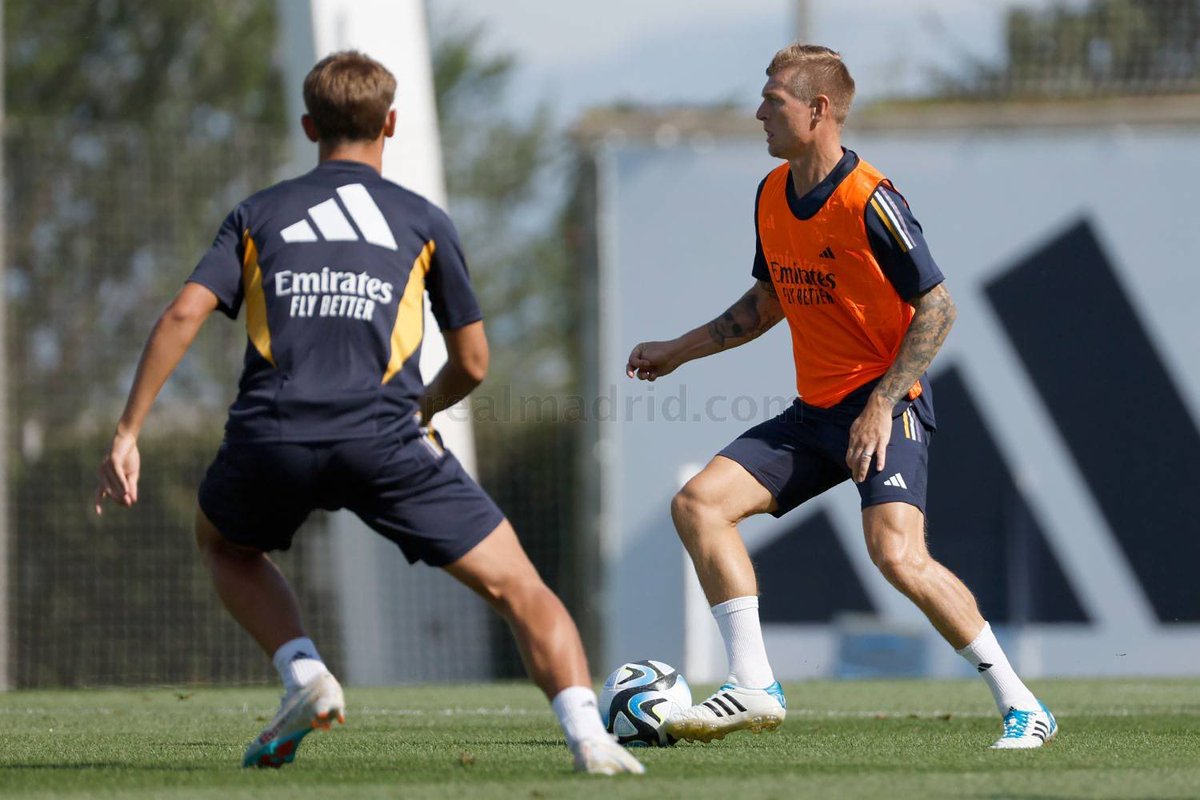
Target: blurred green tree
column 133, row 126
column 191, row 65
column 505, row 178
column 1101, row 47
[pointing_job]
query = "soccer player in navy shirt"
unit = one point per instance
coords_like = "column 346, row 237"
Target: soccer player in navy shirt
column 332, row 269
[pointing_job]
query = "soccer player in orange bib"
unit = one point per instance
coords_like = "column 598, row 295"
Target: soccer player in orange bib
column 842, row 259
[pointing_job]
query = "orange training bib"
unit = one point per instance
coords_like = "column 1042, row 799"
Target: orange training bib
column 846, row 318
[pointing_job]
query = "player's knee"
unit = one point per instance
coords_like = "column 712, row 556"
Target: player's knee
column 213, row 546
column 683, row 514
column 513, row 596
column 899, row 565
column 690, row 505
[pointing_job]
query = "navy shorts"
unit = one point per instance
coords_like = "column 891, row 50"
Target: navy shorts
column 802, row 452
column 414, row 492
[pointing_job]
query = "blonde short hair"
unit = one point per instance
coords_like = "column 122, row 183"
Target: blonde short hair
column 819, row 70
column 348, row 95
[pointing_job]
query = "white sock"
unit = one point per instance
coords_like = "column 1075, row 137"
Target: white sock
column 298, row 662
column 986, row 656
column 738, row 622
column 578, row 714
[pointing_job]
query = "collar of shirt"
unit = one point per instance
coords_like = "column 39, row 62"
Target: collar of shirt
column 343, row 165
column 808, row 205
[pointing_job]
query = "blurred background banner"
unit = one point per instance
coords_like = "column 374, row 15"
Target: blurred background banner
column 602, row 178
column 1068, row 376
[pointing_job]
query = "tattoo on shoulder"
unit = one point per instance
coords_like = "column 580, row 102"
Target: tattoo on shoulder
column 769, row 288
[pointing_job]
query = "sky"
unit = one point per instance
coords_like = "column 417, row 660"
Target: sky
column 577, row 55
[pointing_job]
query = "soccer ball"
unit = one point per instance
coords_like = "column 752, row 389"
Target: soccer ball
column 637, row 699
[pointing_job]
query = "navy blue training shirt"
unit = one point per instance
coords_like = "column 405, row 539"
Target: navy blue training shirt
column 332, row 268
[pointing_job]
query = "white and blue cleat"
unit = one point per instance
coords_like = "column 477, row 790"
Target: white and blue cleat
column 730, row 708
column 315, row 705
column 1025, row 730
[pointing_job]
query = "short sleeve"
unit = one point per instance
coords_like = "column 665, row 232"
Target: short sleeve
column 761, row 271
column 899, row 244
column 449, row 284
column 220, row 269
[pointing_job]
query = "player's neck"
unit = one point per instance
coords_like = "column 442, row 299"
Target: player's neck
column 815, row 164
column 369, row 153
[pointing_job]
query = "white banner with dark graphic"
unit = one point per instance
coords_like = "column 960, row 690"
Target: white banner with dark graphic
column 1067, row 397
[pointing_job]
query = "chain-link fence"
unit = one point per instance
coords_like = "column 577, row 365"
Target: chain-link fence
column 103, row 224
column 103, row 228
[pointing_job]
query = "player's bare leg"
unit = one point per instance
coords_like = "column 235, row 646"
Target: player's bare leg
column 895, row 534
column 706, row 512
column 251, row 587
column 261, row 600
column 499, row 571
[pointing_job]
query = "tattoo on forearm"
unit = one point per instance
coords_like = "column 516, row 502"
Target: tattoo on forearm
column 746, row 319
column 733, row 323
column 934, row 315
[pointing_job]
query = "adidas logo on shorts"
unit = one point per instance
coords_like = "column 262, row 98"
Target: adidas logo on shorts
column 896, row 480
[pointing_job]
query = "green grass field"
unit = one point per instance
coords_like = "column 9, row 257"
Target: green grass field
column 1118, row 739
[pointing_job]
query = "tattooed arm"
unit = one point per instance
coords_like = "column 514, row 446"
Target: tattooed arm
column 933, row 315
column 754, row 314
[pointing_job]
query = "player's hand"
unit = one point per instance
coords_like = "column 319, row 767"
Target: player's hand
column 650, row 360
column 119, row 472
column 869, row 437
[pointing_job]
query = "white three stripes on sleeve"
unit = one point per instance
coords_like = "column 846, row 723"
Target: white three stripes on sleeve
column 895, row 217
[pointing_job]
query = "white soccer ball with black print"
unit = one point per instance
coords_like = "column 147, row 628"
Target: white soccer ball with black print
column 638, row 698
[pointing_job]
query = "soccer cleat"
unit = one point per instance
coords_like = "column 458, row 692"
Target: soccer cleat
column 731, row 708
column 315, row 705
column 603, row 756
column 1024, row 730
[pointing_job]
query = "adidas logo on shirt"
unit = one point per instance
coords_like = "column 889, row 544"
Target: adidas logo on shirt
column 828, row 253
column 333, row 225
column 896, row 480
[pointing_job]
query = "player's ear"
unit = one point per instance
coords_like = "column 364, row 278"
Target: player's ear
column 820, row 108
column 389, row 124
column 310, row 128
